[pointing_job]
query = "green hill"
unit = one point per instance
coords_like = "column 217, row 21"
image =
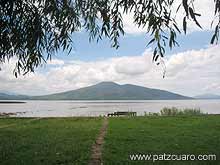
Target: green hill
column 4, row 96
column 113, row 91
column 208, row 96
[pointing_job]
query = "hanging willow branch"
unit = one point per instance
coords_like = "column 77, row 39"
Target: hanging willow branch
column 33, row 30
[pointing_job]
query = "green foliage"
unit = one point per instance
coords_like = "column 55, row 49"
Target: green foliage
column 178, row 112
column 151, row 114
column 173, row 111
column 47, row 141
column 158, row 135
column 33, row 30
column 215, row 36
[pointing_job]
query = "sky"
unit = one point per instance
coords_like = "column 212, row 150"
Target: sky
column 191, row 69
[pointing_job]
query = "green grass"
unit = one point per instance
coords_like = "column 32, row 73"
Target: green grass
column 68, row 141
column 158, row 135
column 173, row 111
column 10, row 121
column 47, row 141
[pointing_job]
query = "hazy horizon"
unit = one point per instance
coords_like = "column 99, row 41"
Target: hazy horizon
column 191, row 69
column 12, row 93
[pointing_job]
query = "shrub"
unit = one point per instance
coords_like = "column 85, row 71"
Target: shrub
column 151, row 114
column 173, row 111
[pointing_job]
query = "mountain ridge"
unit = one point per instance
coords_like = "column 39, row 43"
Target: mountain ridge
column 207, row 96
column 106, row 91
column 113, row 91
column 4, row 96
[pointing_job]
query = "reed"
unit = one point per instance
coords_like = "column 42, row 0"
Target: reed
column 173, row 111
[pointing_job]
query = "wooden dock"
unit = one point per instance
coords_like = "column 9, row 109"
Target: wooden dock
column 122, row 113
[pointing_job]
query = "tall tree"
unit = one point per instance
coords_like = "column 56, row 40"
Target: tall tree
column 33, row 30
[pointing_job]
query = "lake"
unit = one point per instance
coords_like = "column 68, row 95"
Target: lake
column 97, row 108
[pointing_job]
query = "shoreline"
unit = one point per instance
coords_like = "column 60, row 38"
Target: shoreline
column 12, row 102
column 90, row 117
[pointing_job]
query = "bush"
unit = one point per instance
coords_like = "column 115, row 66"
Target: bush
column 180, row 112
column 173, row 111
column 151, row 114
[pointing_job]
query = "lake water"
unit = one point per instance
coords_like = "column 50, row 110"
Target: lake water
column 97, row 108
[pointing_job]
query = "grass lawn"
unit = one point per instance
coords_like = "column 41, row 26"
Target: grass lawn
column 12, row 121
column 47, row 141
column 158, row 135
column 69, row 140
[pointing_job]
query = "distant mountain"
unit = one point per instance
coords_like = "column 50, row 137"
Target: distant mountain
column 8, row 92
column 208, row 96
column 113, row 91
column 4, row 96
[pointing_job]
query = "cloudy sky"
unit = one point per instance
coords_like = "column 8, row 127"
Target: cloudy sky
column 191, row 69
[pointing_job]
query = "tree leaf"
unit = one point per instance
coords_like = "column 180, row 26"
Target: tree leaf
column 184, row 24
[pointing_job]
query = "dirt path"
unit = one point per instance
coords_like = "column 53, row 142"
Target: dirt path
column 96, row 157
column 14, row 124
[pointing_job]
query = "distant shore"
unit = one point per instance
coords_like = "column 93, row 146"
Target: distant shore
column 12, row 102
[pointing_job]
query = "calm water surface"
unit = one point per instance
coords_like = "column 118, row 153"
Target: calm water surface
column 96, row 108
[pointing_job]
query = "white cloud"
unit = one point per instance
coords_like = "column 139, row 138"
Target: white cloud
column 133, row 65
column 212, row 86
column 204, row 7
column 129, row 25
column 55, row 62
column 190, row 73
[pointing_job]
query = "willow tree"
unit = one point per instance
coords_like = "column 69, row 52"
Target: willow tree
column 33, row 30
